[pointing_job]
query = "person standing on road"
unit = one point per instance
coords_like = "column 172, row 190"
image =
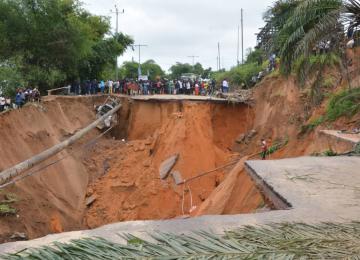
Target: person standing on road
column 2, row 103
column 225, row 86
column 171, row 87
column 7, row 103
column 188, row 88
column 111, row 84
column 180, row 83
column 19, row 99
column 102, row 87
column 197, row 88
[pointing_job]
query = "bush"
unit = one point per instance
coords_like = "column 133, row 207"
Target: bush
column 240, row 75
column 312, row 124
column 328, row 82
column 345, row 103
column 6, row 209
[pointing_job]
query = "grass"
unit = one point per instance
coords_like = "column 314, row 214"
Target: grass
column 275, row 241
column 278, row 145
column 345, row 103
column 329, row 153
column 312, row 125
column 5, row 208
column 328, row 82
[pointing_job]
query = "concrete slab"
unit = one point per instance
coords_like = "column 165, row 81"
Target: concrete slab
column 178, row 179
column 178, row 97
column 353, row 138
column 326, row 185
column 167, row 165
column 313, row 190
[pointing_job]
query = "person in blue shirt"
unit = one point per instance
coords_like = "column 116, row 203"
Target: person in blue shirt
column 102, row 86
column 19, row 101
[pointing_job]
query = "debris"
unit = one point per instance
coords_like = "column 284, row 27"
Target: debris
column 19, row 236
column 167, row 165
column 245, row 138
column 177, row 177
column 240, row 139
column 123, row 184
column 90, row 200
column 251, row 134
column 241, row 96
column 106, row 166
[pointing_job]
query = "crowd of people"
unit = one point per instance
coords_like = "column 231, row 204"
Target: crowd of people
column 147, row 87
column 126, row 87
column 23, row 95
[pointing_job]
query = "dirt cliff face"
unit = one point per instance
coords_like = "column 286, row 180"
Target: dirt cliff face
column 52, row 201
column 121, row 172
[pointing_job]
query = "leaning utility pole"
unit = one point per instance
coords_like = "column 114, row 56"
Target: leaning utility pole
column 117, row 31
column 139, row 46
column 193, row 59
column 242, row 37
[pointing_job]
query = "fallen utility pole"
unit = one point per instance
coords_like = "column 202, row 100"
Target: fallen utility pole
column 23, row 166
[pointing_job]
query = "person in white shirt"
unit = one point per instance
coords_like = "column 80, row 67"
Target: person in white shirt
column 225, row 86
column 2, row 103
column 110, row 83
column 188, row 87
column 180, row 87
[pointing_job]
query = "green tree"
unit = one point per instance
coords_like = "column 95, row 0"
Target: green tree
column 198, row 69
column 180, row 68
column 256, row 56
column 298, row 25
column 207, row 73
column 152, row 69
column 129, row 70
column 56, row 40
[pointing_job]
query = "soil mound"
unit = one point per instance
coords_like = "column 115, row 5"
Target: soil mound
column 132, row 189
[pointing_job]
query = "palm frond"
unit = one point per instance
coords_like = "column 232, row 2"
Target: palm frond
column 276, row 241
column 322, row 29
column 352, row 12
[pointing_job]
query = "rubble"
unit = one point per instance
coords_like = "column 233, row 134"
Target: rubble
column 239, row 96
column 167, row 165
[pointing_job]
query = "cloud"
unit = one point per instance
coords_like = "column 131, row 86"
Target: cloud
column 174, row 29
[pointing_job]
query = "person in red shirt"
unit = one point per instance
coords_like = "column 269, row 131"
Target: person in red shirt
column 264, row 149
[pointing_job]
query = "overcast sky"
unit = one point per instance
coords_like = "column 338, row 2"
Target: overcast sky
column 174, row 29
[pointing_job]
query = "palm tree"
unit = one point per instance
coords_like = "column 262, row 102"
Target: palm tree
column 352, row 13
column 311, row 22
column 276, row 241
